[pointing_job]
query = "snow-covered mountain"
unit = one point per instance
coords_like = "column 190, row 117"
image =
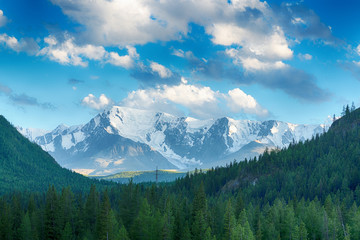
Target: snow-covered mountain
column 130, row 139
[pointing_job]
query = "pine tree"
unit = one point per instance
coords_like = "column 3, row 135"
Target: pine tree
column 103, row 223
column 347, row 110
column 129, row 204
column 5, row 221
column 52, row 230
column 25, row 228
column 141, row 229
column 353, row 108
column 91, row 208
column 66, row 207
column 207, row 235
column 67, row 232
column 239, row 204
column 123, row 234
column 237, row 232
column 168, row 220
column 186, row 234
column 229, row 221
column 303, row 234
column 17, row 215
column 199, row 211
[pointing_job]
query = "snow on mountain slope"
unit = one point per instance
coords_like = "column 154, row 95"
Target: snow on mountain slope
column 182, row 141
column 31, row 133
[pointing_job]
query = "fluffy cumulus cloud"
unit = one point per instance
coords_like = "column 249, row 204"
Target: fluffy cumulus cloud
column 161, row 70
column 95, row 103
column 23, row 100
column 126, row 61
column 200, row 101
column 67, row 52
column 256, row 39
column 3, row 19
column 239, row 101
column 252, row 63
column 27, row 45
column 270, row 46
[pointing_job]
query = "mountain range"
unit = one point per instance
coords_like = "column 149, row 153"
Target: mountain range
column 126, row 139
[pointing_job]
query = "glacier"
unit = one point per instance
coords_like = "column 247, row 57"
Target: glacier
column 128, row 139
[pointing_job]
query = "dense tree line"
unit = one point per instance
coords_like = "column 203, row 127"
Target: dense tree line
column 135, row 212
column 311, row 190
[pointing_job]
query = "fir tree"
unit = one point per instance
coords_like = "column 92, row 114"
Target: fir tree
column 25, row 228
column 103, row 223
column 52, row 230
column 67, row 232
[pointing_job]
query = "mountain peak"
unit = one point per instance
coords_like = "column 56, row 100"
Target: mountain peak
column 119, row 134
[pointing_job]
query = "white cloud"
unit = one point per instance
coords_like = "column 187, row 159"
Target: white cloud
column 161, row 70
column 3, row 19
column 50, row 40
column 126, row 61
column 305, row 56
column 358, row 49
column 270, row 46
column 121, row 61
column 142, row 21
column 9, row 41
column 69, row 53
column 356, row 63
column 298, row 20
column 201, row 101
column 238, row 101
column 255, row 64
column 27, row 45
column 120, row 22
column 184, row 80
column 178, row 53
column 97, row 103
column 259, row 36
column 257, row 50
column 252, row 63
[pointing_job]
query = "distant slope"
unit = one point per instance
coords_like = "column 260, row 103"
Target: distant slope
column 25, row 166
column 327, row 164
column 144, row 176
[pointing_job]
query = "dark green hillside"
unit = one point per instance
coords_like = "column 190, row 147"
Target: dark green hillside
column 326, row 164
column 25, row 166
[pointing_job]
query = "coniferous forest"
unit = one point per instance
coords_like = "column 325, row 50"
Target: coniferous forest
column 311, row 190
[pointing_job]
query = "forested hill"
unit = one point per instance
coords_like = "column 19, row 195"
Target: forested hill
column 311, row 190
column 25, row 166
column 326, row 164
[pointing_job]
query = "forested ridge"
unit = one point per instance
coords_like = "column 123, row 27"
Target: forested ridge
column 308, row 191
column 24, row 166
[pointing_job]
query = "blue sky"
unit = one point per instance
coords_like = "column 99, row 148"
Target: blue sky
column 63, row 61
